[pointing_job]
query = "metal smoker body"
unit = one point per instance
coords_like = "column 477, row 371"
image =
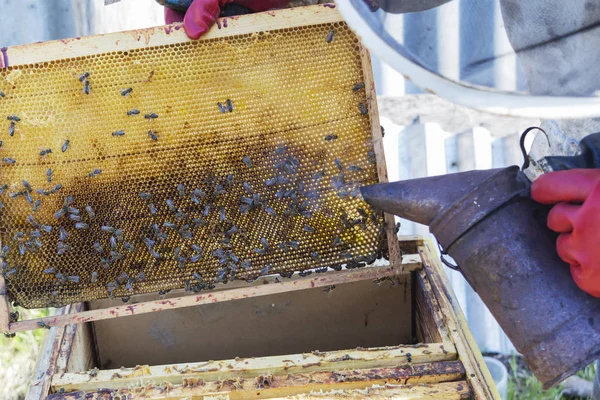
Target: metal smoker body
column 488, row 223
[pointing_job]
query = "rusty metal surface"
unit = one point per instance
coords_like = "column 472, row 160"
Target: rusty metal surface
column 508, row 256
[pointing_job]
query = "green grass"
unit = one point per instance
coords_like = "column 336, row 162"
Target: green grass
column 18, row 357
column 522, row 385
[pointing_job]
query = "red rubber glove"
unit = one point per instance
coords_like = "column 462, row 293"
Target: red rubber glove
column 576, row 216
column 202, row 14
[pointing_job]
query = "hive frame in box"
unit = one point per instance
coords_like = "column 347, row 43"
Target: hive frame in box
column 447, row 365
column 158, row 36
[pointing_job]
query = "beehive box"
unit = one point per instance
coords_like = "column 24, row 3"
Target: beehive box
column 398, row 337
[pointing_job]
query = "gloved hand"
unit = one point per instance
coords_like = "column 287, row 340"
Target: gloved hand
column 202, row 14
column 576, row 216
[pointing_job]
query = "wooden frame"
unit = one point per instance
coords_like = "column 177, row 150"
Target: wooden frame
column 447, row 364
column 287, row 18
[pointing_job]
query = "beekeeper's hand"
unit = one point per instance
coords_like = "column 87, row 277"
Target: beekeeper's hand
column 202, row 14
column 576, row 216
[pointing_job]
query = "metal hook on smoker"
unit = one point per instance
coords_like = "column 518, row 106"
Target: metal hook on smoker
column 447, row 263
column 522, row 145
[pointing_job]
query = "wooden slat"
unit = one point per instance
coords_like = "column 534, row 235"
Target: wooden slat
column 371, row 103
column 40, row 385
column 266, row 386
column 76, row 351
column 313, row 281
column 478, row 375
column 169, row 34
column 5, row 308
column 246, row 368
column 458, row 390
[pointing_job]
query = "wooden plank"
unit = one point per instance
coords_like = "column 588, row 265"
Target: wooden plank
column 458, row 390
column 478, row 375
column 427, row 320
column 169, row 34
column 409, row 243
column 46, row 366
column 370, row 101
column 268, row 386
column 5, row 308
column 359, row 358
column 316, row 280
column 83, row 352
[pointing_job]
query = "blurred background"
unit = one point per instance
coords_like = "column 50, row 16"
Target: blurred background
column 424, row 134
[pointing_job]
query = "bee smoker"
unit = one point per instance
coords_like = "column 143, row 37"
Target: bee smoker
column 487, row 221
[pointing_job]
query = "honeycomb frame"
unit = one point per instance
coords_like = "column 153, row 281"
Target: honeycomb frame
column 302, row 107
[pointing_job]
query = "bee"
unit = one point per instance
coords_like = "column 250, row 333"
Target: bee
column 329, row 288
column 75, row 217
column 17, row 194
column 270, row 211
column 397, row 228
column 315, row 255
column 94, row 277
column 28, row 198
column 222, row 215
column 309, row 229
column 50, row 271
column 2, row 94
column 81, row 225
column 56, row 188
column 49, row 174
column 197, row 277
column 171, row 205
column 266, row 269
column 330, row 36
column 84, row 77
column 65, row 145
column 221, row 275
column 95, row 173
column 86, row 87
column 126, row 92
column 170, row 225
column 62, row 248
column 222, row 108
column 181, row 190
column 304, row 273
column 145, row 196
column 246, row 264
column 354, row 168
column 206, row 210
column 107, row 229
column 118, row 133
column 119, row 235
column 11, row 129
column 13, row 118
column 134, row 111
column 281, row 150
column 148, row 242
column 265, row 244
column 3, row 188
column 358, row 86
column 8, row 160
column 336, row 242
column 46, row 228
column 246, row 160
column 260, row 251
column 90, row 211
column 151, row 116
column 10, row 273
column 318, row 175
column 98, row 248
column 330, row 138
column 42, row 324
column 128, row 246
column 60, row 213
column 152, row 135
column 27, row 185
column 63, row 234
column 338, row 164
column 363, row 108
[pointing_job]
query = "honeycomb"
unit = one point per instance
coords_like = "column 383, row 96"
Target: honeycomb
column 185, row 166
